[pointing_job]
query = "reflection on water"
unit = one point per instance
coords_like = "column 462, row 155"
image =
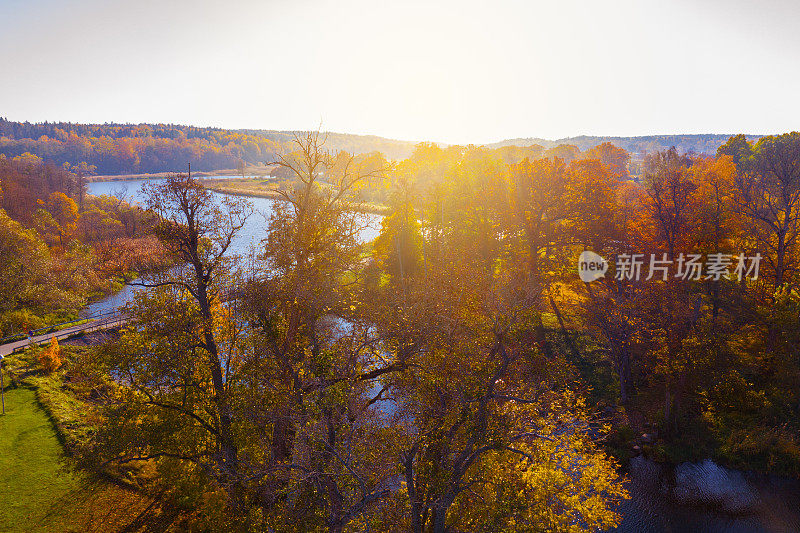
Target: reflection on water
column 109, row 303
column 705, row 497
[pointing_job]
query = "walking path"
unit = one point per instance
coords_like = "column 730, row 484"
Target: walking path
column 93, row 325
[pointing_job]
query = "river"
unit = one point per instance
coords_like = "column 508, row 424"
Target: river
column 250, row 235
column 688, row 498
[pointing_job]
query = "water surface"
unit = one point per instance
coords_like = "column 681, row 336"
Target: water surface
column 249, row 236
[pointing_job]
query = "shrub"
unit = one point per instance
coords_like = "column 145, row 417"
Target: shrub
column 18, row 320
column 50, row 358
column 765, row 449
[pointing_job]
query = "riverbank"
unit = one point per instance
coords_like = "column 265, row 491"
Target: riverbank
column 258, row 188
column 253, row 170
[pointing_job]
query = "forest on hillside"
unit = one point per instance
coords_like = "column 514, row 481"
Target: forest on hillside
column 59, row 246
column 638, row 146
column 109, row 149
column 152, row 148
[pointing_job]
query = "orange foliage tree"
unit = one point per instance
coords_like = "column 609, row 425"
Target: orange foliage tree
column 50, row 357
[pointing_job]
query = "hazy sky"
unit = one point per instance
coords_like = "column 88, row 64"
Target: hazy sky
column 445, row 71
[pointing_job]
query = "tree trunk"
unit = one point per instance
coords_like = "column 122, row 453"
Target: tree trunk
column 624, row 373
column 667, row 409
column 541, row 336
column 416, row 505
column 281, row 438
column 780, row 255
column 564, row 332
column 440, row 517
column 228, row 446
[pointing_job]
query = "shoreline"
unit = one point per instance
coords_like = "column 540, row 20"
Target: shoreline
column 259, row 171
column 373, row 209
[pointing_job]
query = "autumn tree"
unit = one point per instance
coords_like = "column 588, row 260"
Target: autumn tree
column 64, row 211
column 670, row 188
column 50, row 357
column 565, row 152
column 537, row 226
column 672, row 204
column 476, row 205
column 718, row 227
column 592, row 196
column 317, row 413
column 473, row 401
column 398, row 248
column 768, row 193
column 25, row 276
column 613, row 157
column 178, row 361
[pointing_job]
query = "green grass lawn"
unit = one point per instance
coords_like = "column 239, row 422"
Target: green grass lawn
column 33, row 479
column 38, row 492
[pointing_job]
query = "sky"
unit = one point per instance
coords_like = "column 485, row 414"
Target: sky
column 454, row 72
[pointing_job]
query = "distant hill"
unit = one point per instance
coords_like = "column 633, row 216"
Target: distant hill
column 705, row 143
column 113, row 148
column 349, row 142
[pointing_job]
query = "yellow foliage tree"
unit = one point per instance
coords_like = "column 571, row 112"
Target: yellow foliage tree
column 65, row 212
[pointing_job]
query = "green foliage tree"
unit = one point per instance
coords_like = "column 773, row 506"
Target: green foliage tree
column 24, row 275
column 398, row 248
column 768, row 188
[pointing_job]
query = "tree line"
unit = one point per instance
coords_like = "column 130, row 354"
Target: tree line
column 153, row 148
